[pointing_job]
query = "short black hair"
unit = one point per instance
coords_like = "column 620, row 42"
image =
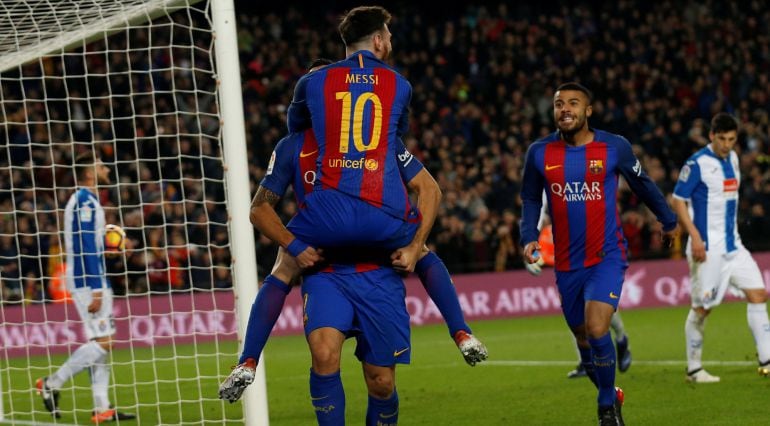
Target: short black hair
column 573, row 85
column 84, row 161
column 320, row 62
column 361, row 22
column 723, row 122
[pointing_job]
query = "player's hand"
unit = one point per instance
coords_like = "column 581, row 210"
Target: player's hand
column 309, row 257
column 96, row 302
column 670, row 236
column 405, row 258
column 530, row 255
column 698, row 248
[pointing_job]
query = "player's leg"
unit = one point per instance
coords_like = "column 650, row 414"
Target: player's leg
column 329, row 316
column 602, row 292
column 706, row 278
column 384, row 341
column 746, row 276
column 84, row 356
column 382, row 406
column 579, row 370
column 621, row 342
column 264, row 314
column 435, row 277
column 570, row 285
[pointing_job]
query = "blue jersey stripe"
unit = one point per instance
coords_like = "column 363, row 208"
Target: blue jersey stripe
column 730, row 207
column 575, row 171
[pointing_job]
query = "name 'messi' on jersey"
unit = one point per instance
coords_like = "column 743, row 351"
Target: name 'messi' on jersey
column 577, row 191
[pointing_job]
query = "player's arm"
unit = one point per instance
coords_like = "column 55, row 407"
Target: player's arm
column 263, row 215
column 298, row 113
column 532, row 185
column 403, row 120
column 631, row 169
column 428, row 199
column 90, row 256
column 689, row 177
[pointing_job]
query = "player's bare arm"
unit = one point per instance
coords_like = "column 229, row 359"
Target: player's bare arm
column 428, row 199
column 696, row 240
column 264, row 217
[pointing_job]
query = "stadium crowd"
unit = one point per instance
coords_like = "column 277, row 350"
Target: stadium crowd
column 483, row 80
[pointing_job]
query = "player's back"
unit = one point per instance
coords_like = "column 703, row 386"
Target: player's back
column 84, row 223
column 358, row 107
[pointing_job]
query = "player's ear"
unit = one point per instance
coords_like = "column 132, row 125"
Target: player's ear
column 589, row 111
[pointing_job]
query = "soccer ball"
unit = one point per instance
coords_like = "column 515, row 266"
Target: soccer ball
column 114, row 239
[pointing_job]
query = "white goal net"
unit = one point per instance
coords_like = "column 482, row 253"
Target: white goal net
column 135, row 82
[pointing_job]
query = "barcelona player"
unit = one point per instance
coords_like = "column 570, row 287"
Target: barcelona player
column 357, row 108
column 579, row 167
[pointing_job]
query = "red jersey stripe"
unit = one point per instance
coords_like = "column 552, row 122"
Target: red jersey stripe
column 596, row 219
column 336, row 116
column 555, row 153
column 375, row 160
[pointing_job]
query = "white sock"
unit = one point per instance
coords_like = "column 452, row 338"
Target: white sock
column 82, row 358
column 693, row 333
column 616, row 322
column 100, row 381
column 756, row 313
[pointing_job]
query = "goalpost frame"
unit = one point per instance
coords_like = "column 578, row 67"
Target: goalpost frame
column 238, row 192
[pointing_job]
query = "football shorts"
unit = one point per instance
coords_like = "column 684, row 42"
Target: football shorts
column 100, row 323
column 709, row 280
column 368, row 305
column 602, row 282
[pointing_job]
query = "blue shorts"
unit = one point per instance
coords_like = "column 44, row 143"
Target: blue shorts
column 333, row 219
column 602, row 282
column 368, row 305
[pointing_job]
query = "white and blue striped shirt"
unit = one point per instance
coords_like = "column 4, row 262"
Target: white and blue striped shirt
column 84, row 241
column 710, row 184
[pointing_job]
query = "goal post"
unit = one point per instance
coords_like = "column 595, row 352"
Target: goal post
column 153, row 88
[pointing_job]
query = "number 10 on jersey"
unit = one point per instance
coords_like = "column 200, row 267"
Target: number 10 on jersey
column 356, row 114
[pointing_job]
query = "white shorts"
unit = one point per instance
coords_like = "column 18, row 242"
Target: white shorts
column 97, row 324
column 709, row 280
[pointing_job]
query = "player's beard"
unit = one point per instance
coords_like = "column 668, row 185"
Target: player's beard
column 578, row 124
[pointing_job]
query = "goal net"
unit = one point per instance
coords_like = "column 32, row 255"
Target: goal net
column 136, row 83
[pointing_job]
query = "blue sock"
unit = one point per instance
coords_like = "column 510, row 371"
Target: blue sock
column 437, row 282
column 328, row 398
column 587, row 361
column 264, row 313
column 382, row 412
column 604, row 364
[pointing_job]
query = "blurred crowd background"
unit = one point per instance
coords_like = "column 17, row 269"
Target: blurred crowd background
column 483, row 79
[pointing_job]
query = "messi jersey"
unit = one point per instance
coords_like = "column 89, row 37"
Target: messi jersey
column 581, row 190
column 357, row 109
column 84, row 224
column 710, row 184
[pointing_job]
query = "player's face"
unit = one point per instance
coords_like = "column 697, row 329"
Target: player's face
column 571, row 110
column 723, row 143
column 102, row 173
column 382, row 44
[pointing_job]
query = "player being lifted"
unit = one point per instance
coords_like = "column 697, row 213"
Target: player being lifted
column 709, row 183
column 357, row 108
column 293, row 163
column 91, row 292
column 579, row 167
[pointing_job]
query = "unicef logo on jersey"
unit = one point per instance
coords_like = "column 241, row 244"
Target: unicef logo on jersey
column 577, row 191
column 369, row 164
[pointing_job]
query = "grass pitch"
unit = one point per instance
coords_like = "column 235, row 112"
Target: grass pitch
column 524, row 382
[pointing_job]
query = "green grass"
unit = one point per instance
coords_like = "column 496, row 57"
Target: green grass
column 438, row 388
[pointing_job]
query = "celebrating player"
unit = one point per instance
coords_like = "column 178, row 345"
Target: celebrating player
column 90, row 289
column 357, row 108
column 708, row 183
column 579, row 167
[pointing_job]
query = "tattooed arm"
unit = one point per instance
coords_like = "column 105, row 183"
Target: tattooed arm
column 264, row 217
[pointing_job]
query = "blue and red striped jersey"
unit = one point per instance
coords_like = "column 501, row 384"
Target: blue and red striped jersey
column 357, row 108
column 581, row 188
column 293, row 162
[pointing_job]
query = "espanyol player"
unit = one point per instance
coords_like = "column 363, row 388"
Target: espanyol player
column 706, row 200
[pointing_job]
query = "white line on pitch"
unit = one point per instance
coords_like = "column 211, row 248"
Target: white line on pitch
column 524, row 363
column 29, row 422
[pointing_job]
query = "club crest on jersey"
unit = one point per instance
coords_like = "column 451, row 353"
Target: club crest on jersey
column 371, row 164
column 596, row 166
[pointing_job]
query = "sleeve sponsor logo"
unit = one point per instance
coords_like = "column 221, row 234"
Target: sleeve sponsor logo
column 637, row 168
column 271, row 164
column 684, row 175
